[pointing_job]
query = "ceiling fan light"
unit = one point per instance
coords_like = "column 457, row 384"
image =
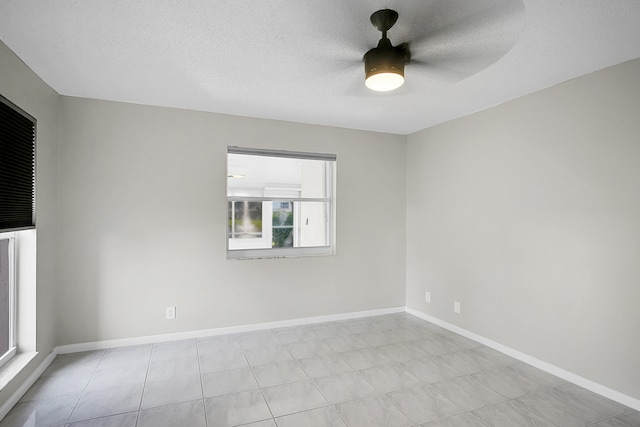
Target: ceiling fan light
column 384, row 67
column 384, row 82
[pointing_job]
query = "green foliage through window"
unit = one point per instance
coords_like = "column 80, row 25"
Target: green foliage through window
column 282, row 230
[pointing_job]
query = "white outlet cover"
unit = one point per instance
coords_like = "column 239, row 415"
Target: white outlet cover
column 427, row 296
column 456, row 306
column 171, row 313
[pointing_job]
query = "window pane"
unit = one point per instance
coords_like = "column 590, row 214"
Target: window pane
column 5, row 300
column 245, row 220
column 260, row 176
column 312, row 224
column 282, row 225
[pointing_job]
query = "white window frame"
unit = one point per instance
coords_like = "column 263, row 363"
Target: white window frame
column 267, row 199
column 11, row 236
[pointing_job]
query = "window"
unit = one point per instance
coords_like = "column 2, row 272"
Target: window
column 17, row 209
column 280, row 203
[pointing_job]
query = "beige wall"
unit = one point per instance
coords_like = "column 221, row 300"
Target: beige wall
column 529, row 215
column 22, row 87
column 142, row 223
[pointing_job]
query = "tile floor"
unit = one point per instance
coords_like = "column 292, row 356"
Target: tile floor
column 392, row 370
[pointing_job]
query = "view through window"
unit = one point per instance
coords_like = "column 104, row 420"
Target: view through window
column 280, row 203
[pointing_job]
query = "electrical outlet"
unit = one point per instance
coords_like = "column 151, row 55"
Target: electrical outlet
column 427, row 296
column 171, row 313
column 456, row 307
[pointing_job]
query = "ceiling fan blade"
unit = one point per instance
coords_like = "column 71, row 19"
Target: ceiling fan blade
column 469, row 43
column 455, row 19
column 343, row 77
column 343, row 26
column 445, row 73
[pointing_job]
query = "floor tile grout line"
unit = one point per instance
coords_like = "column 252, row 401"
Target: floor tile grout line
column 109, row 415
column 496, row 391
column 84, row 390
column 630, row 410
column 546, row 390
column 380, row 394
column 204, row 405
column 294, row 358
column 424, row 384
column 526, row 408
column 312, row 380
column 99, row 418
column 556, row 389
column 486, row 384
column 264, row 398
column 331, row 405
column 144, row 386
column 612, row 418
column 508, row 399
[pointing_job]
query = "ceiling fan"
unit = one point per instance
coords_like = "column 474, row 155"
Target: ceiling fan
column 450, row 40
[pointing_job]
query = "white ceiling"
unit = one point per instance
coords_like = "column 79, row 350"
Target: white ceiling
column 301, row 60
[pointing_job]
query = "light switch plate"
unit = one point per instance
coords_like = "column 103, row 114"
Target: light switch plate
column 171, row 313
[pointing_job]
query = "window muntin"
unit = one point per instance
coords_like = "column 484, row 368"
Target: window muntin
column 279, row 203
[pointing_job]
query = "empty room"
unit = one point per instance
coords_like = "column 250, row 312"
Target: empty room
column 418, row 213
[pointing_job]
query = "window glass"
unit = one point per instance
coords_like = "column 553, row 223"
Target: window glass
column 7, row 293
column 245, row 220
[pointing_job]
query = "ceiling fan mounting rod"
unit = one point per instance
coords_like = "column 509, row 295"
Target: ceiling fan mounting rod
column 384, row 19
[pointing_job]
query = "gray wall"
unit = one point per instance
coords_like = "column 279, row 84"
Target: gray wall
column 25, row 89
column 142, row 224
column 529, row 214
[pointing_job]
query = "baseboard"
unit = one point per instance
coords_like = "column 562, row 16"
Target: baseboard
column 540, row 364
column 101, row 345
column 24, row 387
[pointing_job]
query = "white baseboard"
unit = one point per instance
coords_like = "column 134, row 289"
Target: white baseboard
column 100, row 345
column 530, row 360
column 24, row 387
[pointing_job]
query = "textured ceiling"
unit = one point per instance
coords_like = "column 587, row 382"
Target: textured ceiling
column 302, row 60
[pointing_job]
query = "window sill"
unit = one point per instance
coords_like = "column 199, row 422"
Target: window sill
column 14, row 366
column 272, row 253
